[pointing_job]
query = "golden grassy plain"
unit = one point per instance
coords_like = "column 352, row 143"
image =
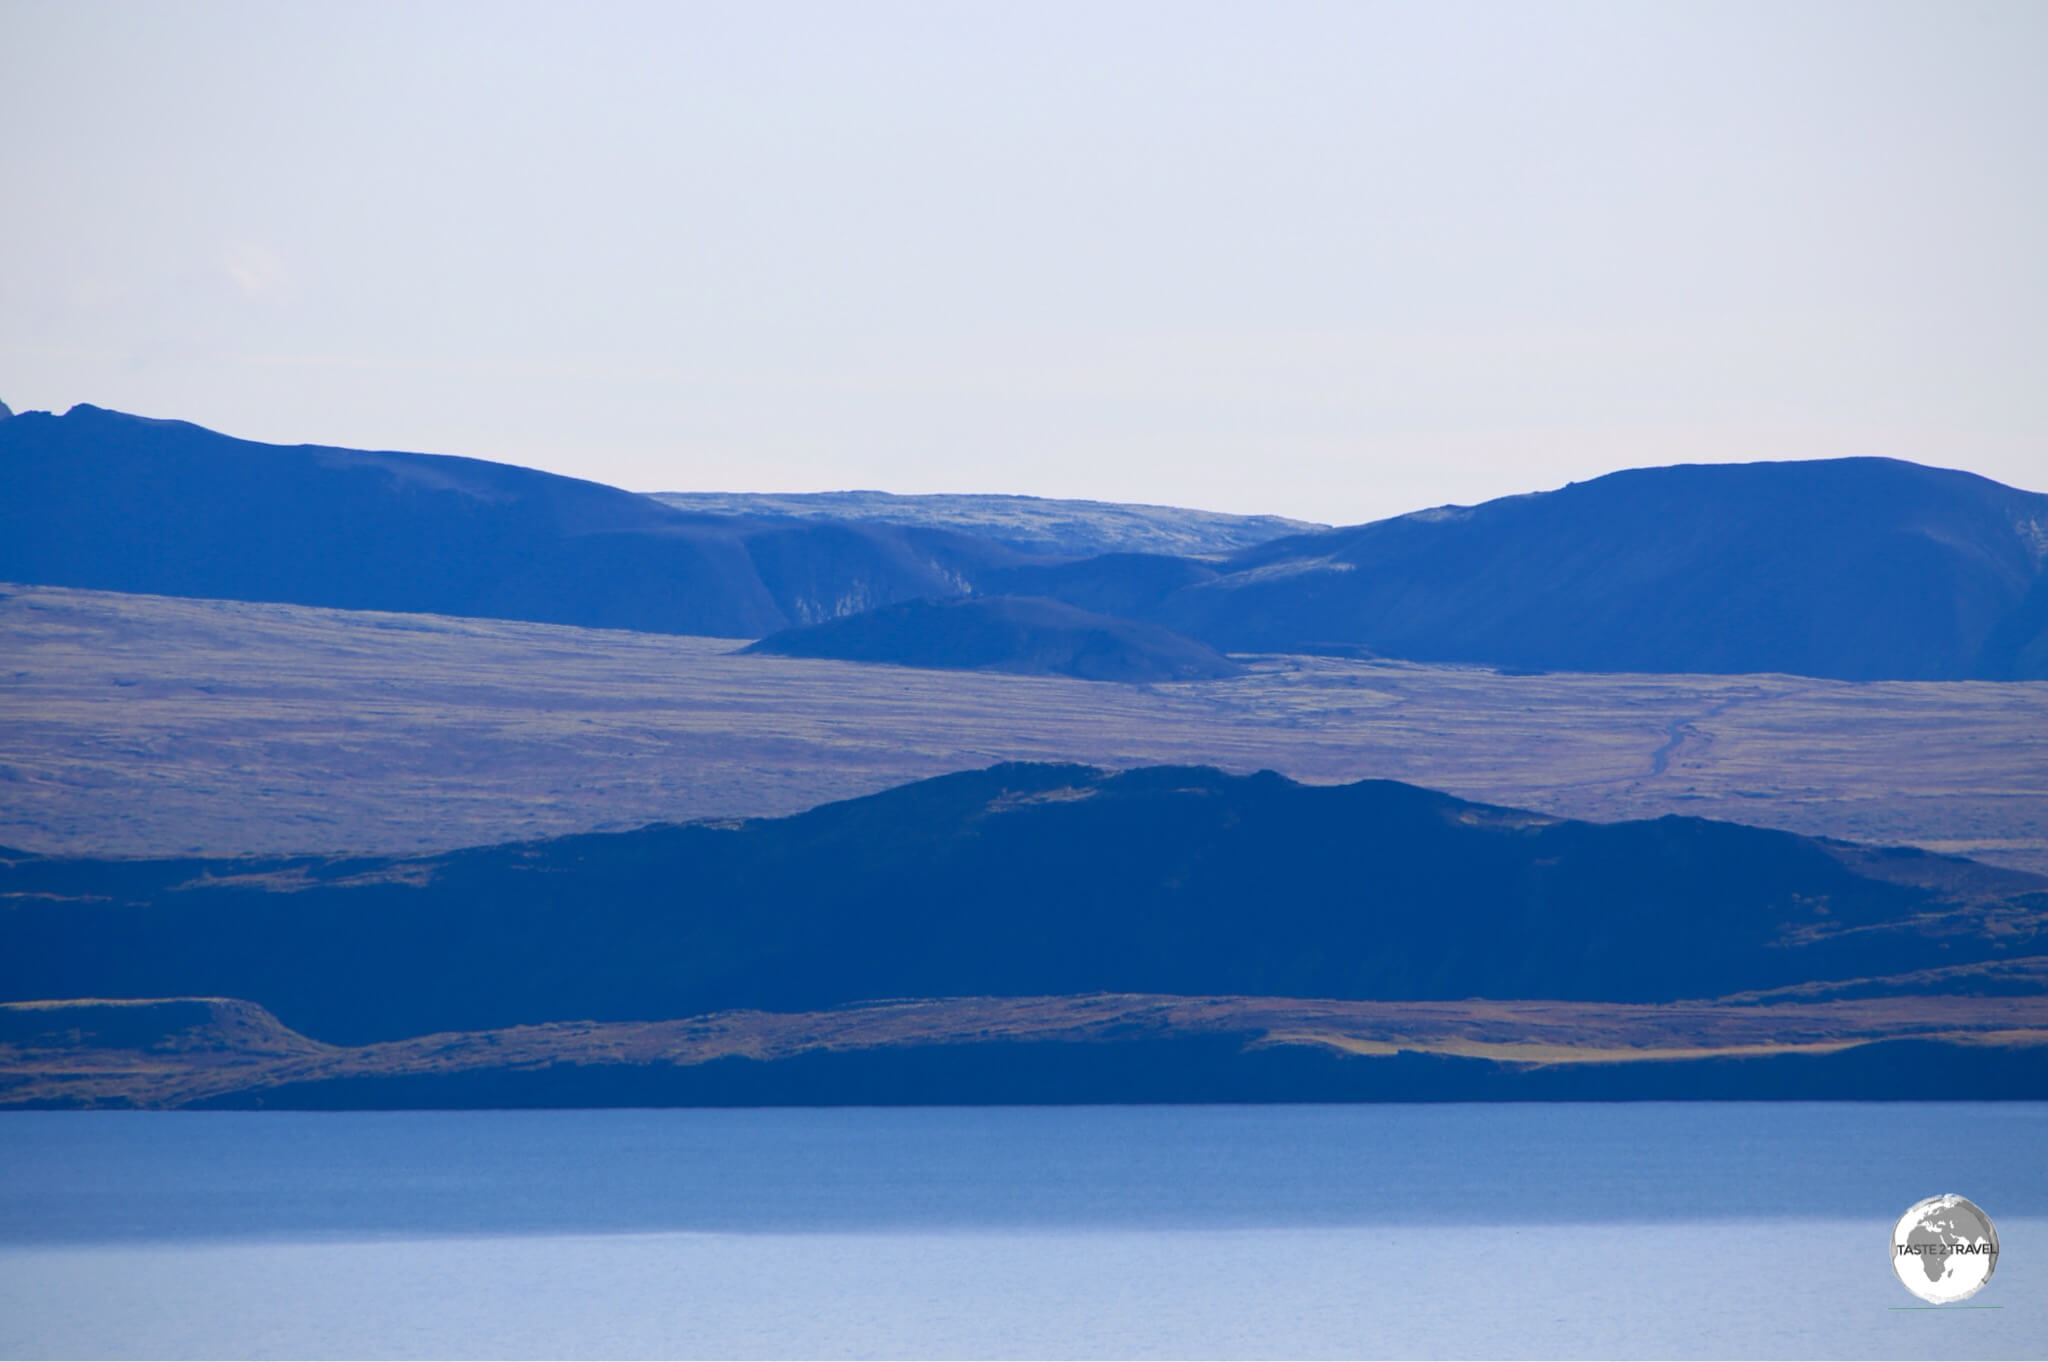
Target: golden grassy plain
column 138, row 725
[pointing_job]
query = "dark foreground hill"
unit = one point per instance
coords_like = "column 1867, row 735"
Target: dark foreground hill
column 1010, row 882
column 1852, row 568
column 1023, row 634
column 99, row 499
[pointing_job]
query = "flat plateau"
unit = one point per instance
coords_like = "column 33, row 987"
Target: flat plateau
column 150, row 726
column 179, row 1052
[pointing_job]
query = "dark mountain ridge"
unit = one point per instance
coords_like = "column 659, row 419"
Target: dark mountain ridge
column 99, row 499
column 1009, row 882
column 1859, row 569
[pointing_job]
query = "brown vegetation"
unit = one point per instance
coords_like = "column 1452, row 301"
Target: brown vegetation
column 133, row 725
column 172, row 1052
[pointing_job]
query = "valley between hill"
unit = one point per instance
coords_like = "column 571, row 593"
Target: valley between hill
column 143, row 725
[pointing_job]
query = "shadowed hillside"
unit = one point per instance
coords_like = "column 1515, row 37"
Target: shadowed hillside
column 1014, row 881
column 1851, row 568
column 97, row 499
column 1029, row 635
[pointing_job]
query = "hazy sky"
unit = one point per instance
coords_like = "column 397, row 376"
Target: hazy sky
column 1334, row 261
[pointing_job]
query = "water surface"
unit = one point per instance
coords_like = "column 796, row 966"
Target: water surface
column 1372, row 1230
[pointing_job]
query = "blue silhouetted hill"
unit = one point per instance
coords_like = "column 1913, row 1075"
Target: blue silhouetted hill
column 1851, row 568
column 1030, row 635
column 1014, row 881
column 99, row 499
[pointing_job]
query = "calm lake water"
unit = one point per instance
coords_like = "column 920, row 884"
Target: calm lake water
column 1359, row 1231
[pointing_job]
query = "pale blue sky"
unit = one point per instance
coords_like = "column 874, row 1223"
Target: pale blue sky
column 1334, row 261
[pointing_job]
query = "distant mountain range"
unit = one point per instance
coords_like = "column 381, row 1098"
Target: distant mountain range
column 1859, row 569
column 1022, row 932
column 97, row 499
column 1103, row 907
column 1850, row 568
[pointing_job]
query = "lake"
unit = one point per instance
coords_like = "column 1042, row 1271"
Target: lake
column 1651, row 1229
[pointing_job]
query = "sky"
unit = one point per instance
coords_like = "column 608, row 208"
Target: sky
column 1334, row 261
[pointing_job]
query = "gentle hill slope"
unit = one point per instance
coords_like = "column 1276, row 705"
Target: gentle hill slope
column 1850, row 568
column 1028, row 635
column 1014, row 881
column 99, row 499
column 1857, row 569
column 153, row 726
column 1033, row 525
